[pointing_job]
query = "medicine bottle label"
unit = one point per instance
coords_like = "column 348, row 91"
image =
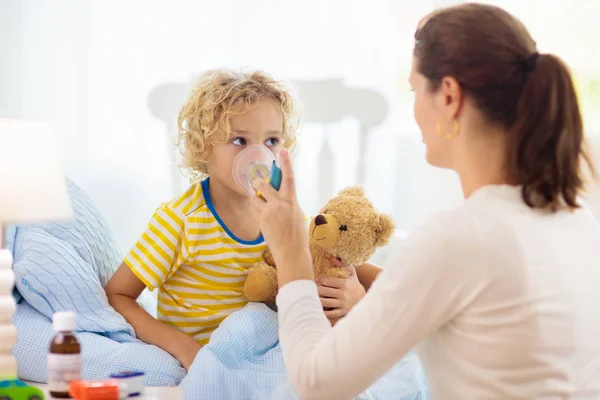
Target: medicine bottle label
column 62, row 369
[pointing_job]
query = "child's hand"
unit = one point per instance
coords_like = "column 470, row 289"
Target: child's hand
column 339, row 295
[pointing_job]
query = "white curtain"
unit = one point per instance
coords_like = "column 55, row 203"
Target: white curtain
column 89, row 67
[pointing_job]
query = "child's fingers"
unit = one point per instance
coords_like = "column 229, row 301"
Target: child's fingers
column 336, row 283
column 335, row 313
column 325, row 291
column 326, row 302
column 288, row 183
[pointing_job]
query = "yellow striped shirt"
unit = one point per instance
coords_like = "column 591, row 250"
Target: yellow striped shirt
column 195, row 261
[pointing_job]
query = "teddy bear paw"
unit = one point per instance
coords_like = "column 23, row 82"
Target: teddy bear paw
column 259, row 288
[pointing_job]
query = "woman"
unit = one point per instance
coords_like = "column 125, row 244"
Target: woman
column 500, row 293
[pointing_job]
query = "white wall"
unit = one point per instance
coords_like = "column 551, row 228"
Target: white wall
column 88, row 67
column 10, row 59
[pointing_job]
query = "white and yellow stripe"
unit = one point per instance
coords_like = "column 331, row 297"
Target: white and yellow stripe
column 198, row 266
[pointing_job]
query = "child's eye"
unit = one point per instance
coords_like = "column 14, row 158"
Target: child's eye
column 239, row 141
column 272, row 141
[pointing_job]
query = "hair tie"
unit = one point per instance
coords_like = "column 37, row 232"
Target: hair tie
column 529, row 62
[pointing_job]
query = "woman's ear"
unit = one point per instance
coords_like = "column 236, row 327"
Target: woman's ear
column 451, row 95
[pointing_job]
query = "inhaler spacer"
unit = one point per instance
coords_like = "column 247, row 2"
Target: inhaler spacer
column 254, row 162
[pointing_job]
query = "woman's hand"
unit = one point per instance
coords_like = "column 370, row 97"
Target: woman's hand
column 283, row 225
column 339, row 295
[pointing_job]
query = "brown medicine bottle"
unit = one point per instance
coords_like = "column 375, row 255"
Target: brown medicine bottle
column 64, row 359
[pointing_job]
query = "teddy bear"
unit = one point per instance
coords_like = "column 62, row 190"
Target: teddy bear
column 348, row 228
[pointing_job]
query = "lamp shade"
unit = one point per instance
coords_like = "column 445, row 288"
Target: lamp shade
column 32, row 186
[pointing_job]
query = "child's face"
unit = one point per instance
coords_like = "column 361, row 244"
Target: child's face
column 262, row 124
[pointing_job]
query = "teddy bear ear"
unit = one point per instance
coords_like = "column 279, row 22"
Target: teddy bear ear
column 384, row 229
column 354, row 191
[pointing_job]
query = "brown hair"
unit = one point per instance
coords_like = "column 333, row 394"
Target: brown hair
column 494, row 59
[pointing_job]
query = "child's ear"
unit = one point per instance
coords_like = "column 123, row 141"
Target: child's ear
column 354, row 191
column 384, row 229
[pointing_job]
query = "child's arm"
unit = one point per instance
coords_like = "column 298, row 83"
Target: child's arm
column 122, row 290
column 367, row 273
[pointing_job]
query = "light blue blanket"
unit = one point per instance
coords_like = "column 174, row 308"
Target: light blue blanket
column 101, row 355
column 243, row 361
column 62, row 267
column 65, row 266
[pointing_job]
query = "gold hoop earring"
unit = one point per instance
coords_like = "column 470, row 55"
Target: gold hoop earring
column 454, row 132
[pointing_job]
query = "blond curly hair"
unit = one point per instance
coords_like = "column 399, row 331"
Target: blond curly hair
column 218, row 95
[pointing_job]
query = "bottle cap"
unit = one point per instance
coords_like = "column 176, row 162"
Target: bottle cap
column 64, row 321
column 254, row 162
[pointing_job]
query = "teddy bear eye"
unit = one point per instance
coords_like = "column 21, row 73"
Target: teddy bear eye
column 325, row 212
column 343, row 228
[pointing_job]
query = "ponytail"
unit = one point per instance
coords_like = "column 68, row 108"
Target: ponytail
column 546, row 143
column 530, row 95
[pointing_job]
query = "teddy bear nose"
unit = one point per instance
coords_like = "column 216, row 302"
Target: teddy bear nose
column 320, row 220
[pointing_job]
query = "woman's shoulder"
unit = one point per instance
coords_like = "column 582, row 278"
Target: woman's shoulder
column 491, row 206
column 458, row 224
column 471, row 228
